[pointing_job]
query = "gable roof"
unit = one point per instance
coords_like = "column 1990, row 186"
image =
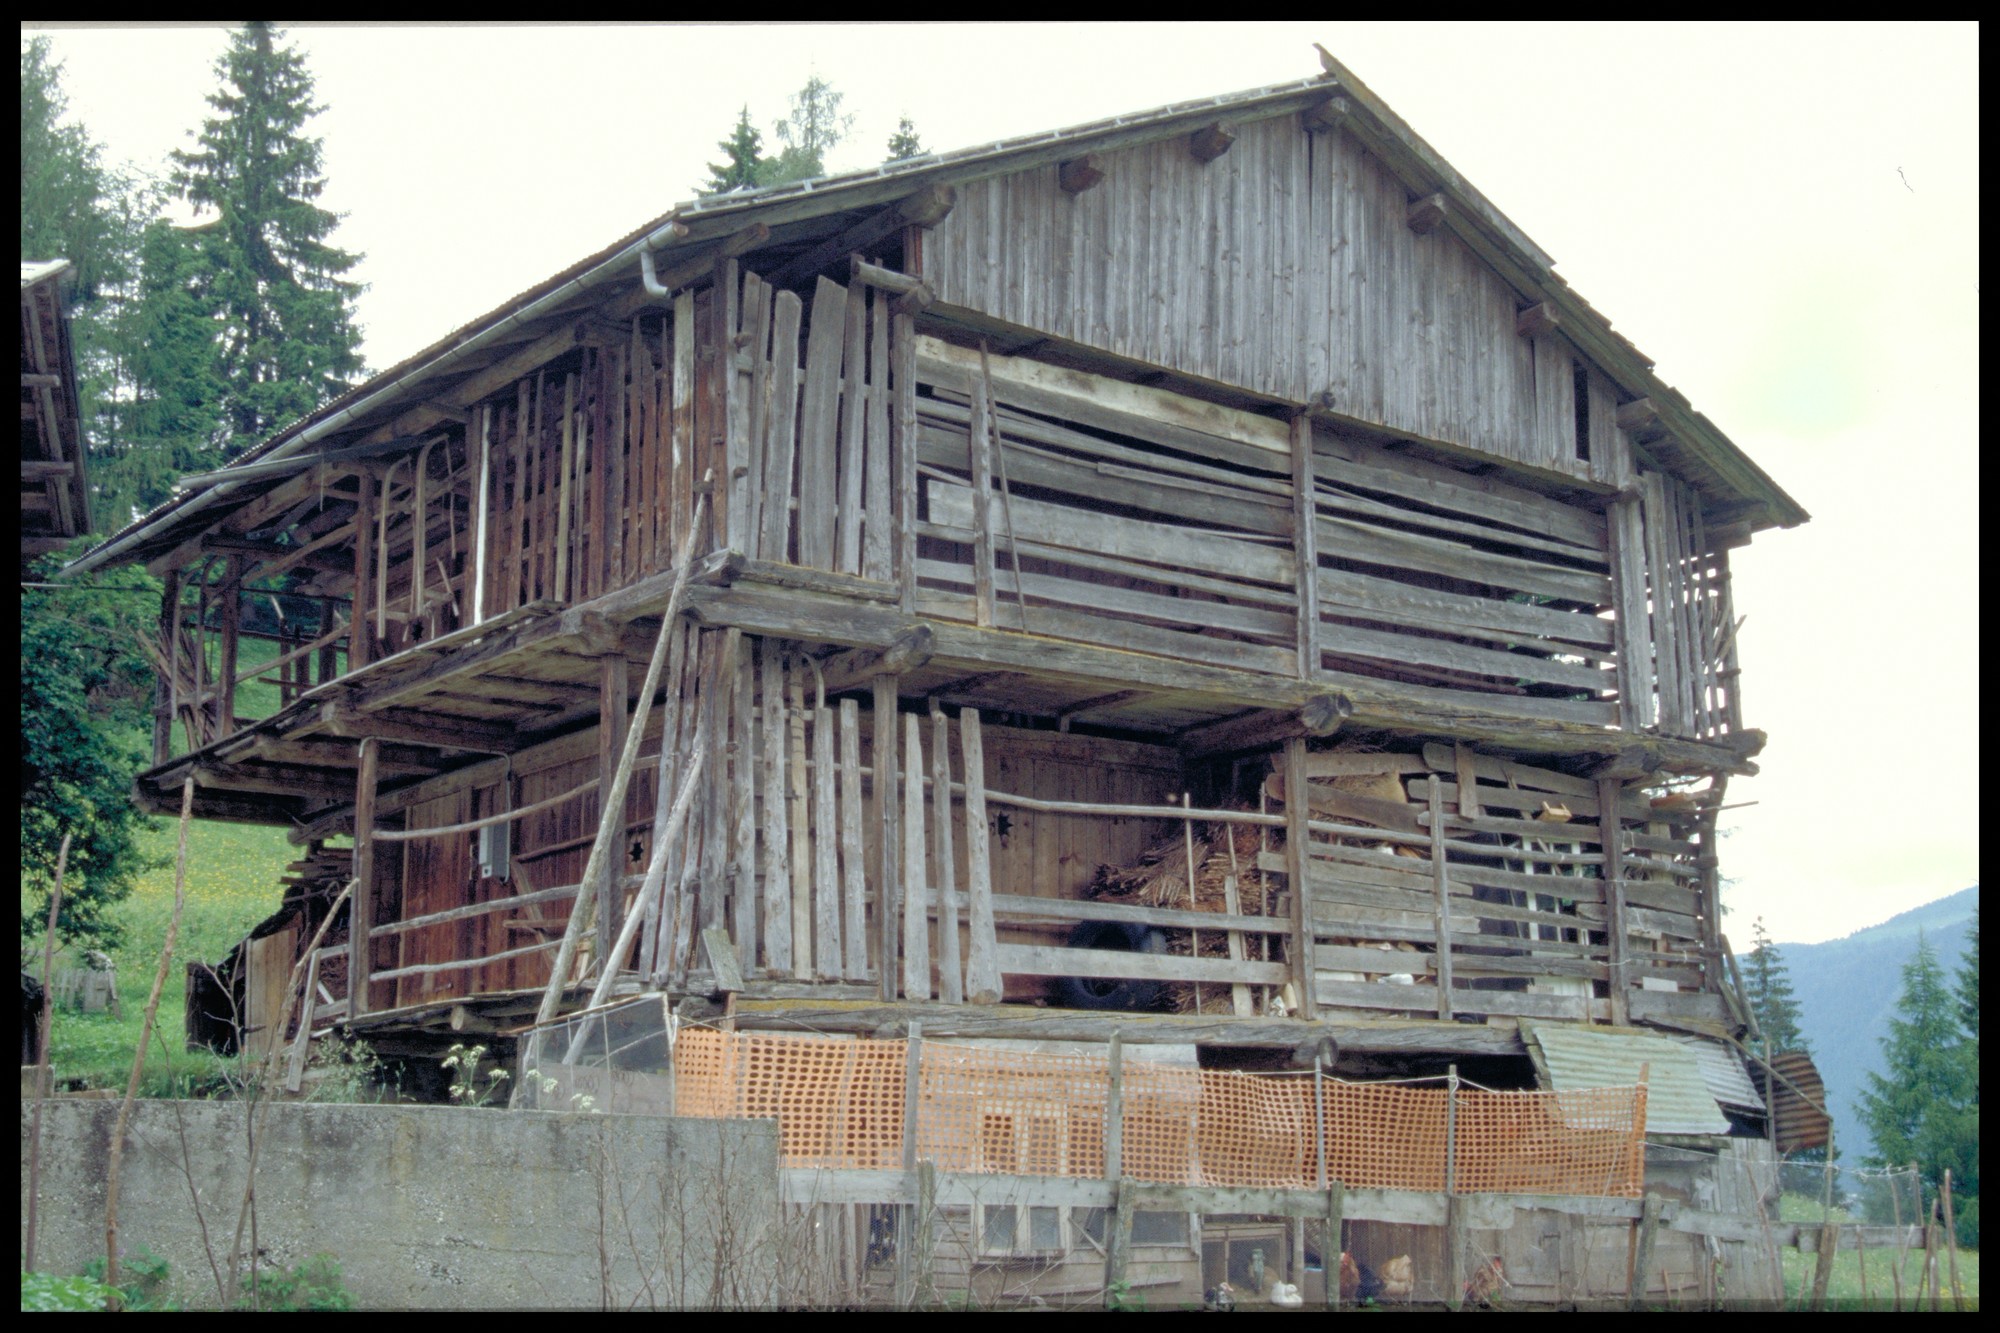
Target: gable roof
column 802, row 213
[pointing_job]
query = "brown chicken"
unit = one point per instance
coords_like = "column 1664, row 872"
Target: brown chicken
column 1399, row 1278
column 1490, row 1278
column 1350, row 1278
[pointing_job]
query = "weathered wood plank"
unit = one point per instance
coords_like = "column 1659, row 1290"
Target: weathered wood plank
column 982, row 971
column 777, row 834
column 951, row 973
column 1041, row 960
column 819, row 425
column 916, row 893
column 878, row 504
column 854, row 881
column 825, row 838
column 888, row 842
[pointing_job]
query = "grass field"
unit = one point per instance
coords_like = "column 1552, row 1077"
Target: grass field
column 1868, row 1281
column 232, row 884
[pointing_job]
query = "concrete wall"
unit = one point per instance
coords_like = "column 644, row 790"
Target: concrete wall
column 431, row 1207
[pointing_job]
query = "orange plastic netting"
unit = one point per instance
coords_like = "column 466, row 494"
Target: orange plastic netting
column 840, row 1104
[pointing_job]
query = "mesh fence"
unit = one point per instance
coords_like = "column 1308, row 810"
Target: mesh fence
column 841, row 1104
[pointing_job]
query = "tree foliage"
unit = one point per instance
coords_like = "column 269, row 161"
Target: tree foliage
column 1925, row 1107
column 67, row 193
column 286, row 339
column 86, row 689
column 742, row 154
column 904, row 143
column 814, row 128
column 1768, row 987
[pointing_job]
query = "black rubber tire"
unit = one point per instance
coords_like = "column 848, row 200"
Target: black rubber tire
column 1126, row 993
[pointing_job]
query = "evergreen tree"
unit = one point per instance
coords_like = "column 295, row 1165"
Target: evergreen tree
column 287, row 340
column 1924, row 1107
column 742, row 157
column 67, row 193
column 1967, row 985
column 1769, row 987
column 904, row 143
column 815, row 128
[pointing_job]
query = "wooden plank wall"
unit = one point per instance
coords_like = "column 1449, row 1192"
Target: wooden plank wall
column 1286, row 266
column 1526, row 906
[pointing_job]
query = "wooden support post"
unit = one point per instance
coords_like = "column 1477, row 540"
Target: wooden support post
column 166, row 691
column 1441, row 909
column 888, row 835
column 923, row 1237
column 329, row 653
column 777, row 832
column 1305, row 538
column 743, row 799
column 916, row 895
column 826, row 843
column 1453, row 1217
column 799, row 821
column 1297, row 803
column 980, row 448
column 951, row 973
column 1642, row 1259
column 565, row 499
column 913, row 1058
column 231, row 630
column 361, row 912
column 1114, row 1109
column 360, row 646
column 614, row 696
column 1330, row 1250
column 903, row 352
column 1118, row 1252
column 853, row 877
column 1611, row 837
column 982, row 982
column 853, row 401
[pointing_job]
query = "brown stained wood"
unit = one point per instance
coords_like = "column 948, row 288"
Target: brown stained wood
column 737, row 327
column 854, row 882
column 878, row 504
column 916, row 891
column 615, row 696
column 851, row 459
column 1297, row 844
column 1079, row 174
column 359, row 646
column 780, row 443
column 681, row 460
column 925, row 208
column 777, row 835
column 362, row 912
column 818, row 426
column 826, row 840
column 565, row 494
column 951, row 971
column 227, row 640
column 1209, row 142
column 718, row 674
column 757, row 315
column 743, row 802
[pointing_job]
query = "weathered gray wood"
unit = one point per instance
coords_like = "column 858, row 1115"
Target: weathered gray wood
column 1114, row 1108
column 1642, row 1260
column 781, row 415
column 1305, row 538
column 742, row 754
column 878, row 521
column 1441, row 883
column 1618, row 935
column 777, row 834
column 614, row 698
column 903, row 352
column 1027, row 907
column 916, row 893
column 1118, row 1252
column 888, row 841
column 951, row 972
column 853, row 395
column 854, row 883
column 1297, row 845
column 804, row 948
column 1041, row 960
column 818, row 425
column 826, row 839
column 983, row 969
column 362, row 911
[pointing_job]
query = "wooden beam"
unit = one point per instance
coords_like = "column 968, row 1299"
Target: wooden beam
column 1325, row 115
column 926, row 208
column 1322, row 715
column 1080, row 173
column 679, row 275
column 1297, row 840
column 854, row 667
column 1305, row 543
column 418, row 728
column 1209, row 142
column 1426, row 215
column 362, row 909
column 1536, row 320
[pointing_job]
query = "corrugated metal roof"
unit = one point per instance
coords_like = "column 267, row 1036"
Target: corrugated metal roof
column 1799, row 1102
column 1722, row 1070
column 1678, row 1100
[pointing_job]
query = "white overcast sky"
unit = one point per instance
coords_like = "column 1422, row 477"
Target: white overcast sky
column 1785, row 218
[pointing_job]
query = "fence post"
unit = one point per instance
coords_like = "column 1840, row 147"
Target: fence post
column 1454, row 1295
column 906, row 1272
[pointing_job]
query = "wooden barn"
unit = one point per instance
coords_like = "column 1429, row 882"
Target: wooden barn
column 55, row 488
column 1194, row 592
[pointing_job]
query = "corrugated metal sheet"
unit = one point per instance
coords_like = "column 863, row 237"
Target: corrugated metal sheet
column 1799, row 1103
column 1678, row 1100
column 1722, row 1070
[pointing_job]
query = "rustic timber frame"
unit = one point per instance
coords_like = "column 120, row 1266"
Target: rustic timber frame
column 805, row 599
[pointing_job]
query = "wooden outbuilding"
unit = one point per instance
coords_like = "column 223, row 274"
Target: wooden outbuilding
column 55, row 487
column 1199, row 577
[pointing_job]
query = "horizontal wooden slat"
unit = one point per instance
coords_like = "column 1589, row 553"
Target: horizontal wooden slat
column 1036, row 960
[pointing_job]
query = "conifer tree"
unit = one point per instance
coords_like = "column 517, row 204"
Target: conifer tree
column 287, row 341
column 67, row 193
column 1924, row 1107
column 815, row 128
column 1769, row 992
column 742, row 156
column 904, row 143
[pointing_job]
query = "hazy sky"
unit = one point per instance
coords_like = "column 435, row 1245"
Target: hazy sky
column 1785, row 218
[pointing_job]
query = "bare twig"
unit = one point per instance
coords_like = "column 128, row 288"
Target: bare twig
column 139, row 1056
column 42, row 1048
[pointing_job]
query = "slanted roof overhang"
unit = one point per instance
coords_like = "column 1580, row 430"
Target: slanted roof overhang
column 807, row 209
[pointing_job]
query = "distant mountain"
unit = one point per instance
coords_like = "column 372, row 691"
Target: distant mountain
column 1847, row 988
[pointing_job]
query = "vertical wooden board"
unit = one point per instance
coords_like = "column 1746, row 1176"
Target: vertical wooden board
column 916, row 892
column 826, row 839
column 678, row 511
column 851, row 453
column 800, row 822
column 737, row 320
column 1666, row 623
column 1441, row 886
column 980, row 450
column 780, row 446
column 888, row 842
column 854, row 880
column 1635, row 640
column 818, row 424
column 743, row 800
column 951, row 974
column 565, row 492
column 1305, row 545
column 903, row 351
column 983, row 967
column 638, row 454
column 777, row 864
column 1611, row 838
column 757, row 328
column 717, row 675
column 878, row 527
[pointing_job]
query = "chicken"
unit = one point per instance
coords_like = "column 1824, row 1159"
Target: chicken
column 1219, row 1297
column 1350, row 1278
column 1490, row 1278
column 1399, row 1278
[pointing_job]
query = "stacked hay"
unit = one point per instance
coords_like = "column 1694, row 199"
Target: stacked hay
column 1159, row 878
